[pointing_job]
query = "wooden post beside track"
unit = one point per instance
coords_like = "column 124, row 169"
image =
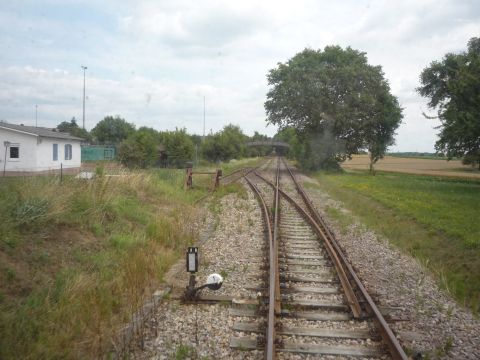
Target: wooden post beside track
column 218, row 178
column 188, row 178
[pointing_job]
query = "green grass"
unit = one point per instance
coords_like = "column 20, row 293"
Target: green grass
column 78, row 258
column 434, row 219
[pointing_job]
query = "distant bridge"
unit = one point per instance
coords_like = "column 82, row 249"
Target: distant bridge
column 277, row 144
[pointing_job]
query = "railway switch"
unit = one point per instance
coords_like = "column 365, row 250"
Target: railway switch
column 214, row 281
column 192, row 260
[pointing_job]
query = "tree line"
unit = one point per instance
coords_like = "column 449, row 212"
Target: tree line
column 145, row 147
column 330, row 104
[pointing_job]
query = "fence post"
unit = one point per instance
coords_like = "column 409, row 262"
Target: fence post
column 61, row 173
column 188, row 178
column 218, row 177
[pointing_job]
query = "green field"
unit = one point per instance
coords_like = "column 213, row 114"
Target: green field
column 435, row 219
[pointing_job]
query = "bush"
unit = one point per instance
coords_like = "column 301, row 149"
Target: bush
column 138, row 151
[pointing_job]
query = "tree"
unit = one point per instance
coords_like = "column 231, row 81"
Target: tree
column 178, row 146
column 112, row 130
column 333, row 99
column 196, row 139
column 139, row 150
column 379, row 129
column 227, row 144
column 73, row 129
column 453, row 87
column 289, row 135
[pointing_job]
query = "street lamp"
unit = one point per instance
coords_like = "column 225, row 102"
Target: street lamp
column 84, row 68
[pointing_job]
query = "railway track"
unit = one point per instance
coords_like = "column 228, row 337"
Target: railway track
column 312, row 303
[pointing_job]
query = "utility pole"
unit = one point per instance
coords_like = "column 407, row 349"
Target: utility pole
column 36, row 115
column 84, row 68
column 203, row 119
column 196, row 155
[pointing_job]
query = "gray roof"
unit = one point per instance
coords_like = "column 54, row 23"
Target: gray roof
column 39, row 131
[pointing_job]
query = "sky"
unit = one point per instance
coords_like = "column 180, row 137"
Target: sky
column 154, row 62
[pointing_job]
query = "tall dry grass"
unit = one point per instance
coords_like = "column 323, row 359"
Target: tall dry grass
column 137, row 226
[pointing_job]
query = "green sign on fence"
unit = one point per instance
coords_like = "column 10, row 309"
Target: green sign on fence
column 98, row 153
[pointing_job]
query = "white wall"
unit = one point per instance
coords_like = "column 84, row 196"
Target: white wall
column 45, row 154
column 36, row 153
column 27, row 154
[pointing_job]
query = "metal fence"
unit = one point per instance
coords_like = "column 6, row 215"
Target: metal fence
column 98, row 152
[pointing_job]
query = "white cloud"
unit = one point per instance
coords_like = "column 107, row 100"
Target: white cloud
column 153, row 61
column 138, row 99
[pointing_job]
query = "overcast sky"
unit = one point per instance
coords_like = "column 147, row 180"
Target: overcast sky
column 153, row 62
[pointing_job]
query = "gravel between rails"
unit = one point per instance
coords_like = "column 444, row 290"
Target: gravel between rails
column 233, row 236
column 436, row 324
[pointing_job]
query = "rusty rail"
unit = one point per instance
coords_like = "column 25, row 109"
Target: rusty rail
column 386, row 333
column 349, row 293
column 274, row 306
column 242, row 171
column 270, row 336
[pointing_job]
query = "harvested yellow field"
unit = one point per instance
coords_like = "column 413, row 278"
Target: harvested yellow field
column 453, row 168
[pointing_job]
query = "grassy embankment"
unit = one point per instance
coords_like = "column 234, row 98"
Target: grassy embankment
column 435, row 219
column 77, row 259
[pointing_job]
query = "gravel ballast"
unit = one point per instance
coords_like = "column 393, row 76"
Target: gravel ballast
column 232, row 244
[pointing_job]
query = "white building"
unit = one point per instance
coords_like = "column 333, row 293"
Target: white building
column 36, row 149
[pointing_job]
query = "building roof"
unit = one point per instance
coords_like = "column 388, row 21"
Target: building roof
column 39, row 131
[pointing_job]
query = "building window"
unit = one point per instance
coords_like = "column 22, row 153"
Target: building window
column 55, row 152
column 14, row 152
column 68, row 152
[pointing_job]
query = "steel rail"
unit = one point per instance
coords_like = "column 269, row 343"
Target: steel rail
column 235, row 172
column 270, row 336
column 396, row 351
column 247, row 171
column 342, row 275
column 276, row 207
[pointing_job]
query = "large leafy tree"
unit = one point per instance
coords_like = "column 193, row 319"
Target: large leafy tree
column 379, row 129
column 112, row 130
column 453, row 87
column 336, row 102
